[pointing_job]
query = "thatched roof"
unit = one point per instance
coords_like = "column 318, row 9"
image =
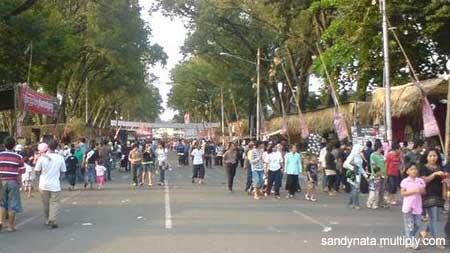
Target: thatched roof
column 321, row 120
column 405, row 99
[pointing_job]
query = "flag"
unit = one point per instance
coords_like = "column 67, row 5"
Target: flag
column 284, row 126
column 430, row 125
column 187, row 118
column 339, row 126
column 303, row 126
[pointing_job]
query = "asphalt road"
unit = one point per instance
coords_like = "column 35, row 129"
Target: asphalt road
column 186, row 217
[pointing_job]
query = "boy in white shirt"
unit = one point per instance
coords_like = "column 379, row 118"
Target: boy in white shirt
column 199, row 169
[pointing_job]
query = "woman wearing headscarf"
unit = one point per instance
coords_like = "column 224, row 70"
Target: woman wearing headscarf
column 354, row 164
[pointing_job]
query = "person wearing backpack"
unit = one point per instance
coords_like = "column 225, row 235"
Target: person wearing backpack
column 72, row 167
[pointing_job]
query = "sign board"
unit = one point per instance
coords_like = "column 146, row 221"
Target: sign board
column 35, row 102
column 133, row 124
column 361, row 135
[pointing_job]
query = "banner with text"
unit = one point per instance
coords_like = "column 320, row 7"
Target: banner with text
column 36, row 102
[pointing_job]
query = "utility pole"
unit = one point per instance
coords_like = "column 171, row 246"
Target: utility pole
column 258, row 102
column 222, row 111
column 387, row 85
column 87, row 101
column 30, row 63
column 447, row 126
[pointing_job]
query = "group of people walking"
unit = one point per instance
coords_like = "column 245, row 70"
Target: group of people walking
column 48, row 166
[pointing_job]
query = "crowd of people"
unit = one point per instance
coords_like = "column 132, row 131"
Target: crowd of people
column 415, row 177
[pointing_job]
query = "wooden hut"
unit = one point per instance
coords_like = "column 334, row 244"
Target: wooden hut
column 321, row 120
column 406, row 106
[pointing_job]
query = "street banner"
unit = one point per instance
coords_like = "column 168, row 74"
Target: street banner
column 35, row 102
column 187, row 118
column 430, row 125
column 145, row 132
column 340, row 126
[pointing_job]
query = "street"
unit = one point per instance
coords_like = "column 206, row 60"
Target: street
column 186, row 217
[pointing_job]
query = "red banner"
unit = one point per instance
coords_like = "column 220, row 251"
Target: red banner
column 187, row 118
column 430, row 125
column 145, row 132
column 35, row 102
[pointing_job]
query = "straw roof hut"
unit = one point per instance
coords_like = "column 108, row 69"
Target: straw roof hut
column 321, row 120
column 406, row 99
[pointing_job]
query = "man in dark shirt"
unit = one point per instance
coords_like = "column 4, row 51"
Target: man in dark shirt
column 104, row 154
column 11, row 169
column 71, row 165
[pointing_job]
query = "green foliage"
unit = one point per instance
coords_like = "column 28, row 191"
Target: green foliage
column 104, row 42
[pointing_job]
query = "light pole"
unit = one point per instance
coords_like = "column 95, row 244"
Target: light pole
column 222, row 111
column 258, row 97
column 258, row 86
column 387, row 85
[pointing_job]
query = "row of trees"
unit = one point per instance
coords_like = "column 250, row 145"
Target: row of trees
column 103, row 45
column 290, row 34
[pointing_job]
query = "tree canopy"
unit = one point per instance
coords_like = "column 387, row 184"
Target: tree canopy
column 103, row 45
column 290, row 34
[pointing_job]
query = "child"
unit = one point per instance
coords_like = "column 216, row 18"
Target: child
column 71, row 173
column 412, row 189
column 374, row 189
column 100, row 172
column 312, row 171
column 27, row 178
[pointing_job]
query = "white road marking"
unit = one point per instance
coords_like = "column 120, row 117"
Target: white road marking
column 325, row 228
column 41, row 215
column 167, row 205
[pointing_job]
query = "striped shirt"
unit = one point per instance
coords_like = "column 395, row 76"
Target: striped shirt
column 11, row 165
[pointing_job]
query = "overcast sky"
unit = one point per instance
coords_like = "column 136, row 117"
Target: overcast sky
column 170, row 34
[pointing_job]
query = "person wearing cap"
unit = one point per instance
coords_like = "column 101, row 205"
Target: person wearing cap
column 50, row 166
column 11, row 169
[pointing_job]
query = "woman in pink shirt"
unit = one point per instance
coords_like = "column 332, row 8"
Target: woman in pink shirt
column 412, row 188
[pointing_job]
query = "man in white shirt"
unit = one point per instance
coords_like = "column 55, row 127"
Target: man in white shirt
column 199, row 169
column 323, row 165
column 50, row 166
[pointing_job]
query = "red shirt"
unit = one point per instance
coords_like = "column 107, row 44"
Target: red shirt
column 393, row 164
column 11, row 165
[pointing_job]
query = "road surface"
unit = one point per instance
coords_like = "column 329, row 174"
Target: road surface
column 186, row 217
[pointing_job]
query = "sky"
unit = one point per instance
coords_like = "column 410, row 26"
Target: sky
column 169, row 33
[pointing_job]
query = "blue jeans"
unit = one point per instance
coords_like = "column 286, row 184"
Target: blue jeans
column 248, row 185
column 10, row 196
column 274, row 177
column 433, row 218
column 257, row 177
column 89, row 176
column 354, row 194
column 108, row 166
column 412, row 223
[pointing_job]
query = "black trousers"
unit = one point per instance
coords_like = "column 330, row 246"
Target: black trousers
column 208, row 161
column 292, row 184
column 198, row 171
column 230, row 169
column 274, row 177
column 331, row 179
